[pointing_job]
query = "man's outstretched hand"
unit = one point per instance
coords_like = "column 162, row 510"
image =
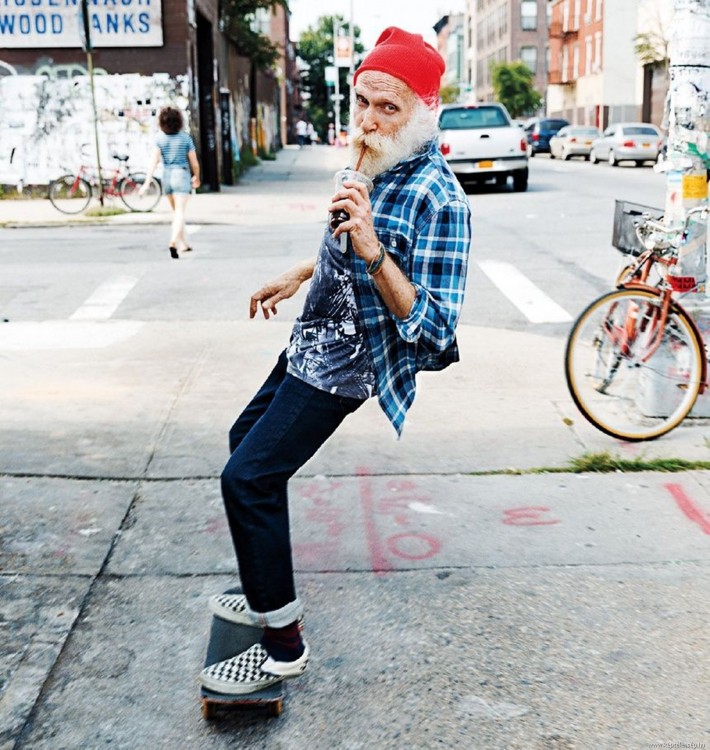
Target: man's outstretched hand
column 279, row 289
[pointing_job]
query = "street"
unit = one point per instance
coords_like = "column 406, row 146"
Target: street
column 557, row 235
column 457, row 594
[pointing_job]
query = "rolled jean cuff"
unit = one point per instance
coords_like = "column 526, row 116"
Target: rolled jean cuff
column 279, row 618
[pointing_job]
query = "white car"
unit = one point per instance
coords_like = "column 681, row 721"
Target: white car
column 627, row 141
column 480, row 143
column 573, row 140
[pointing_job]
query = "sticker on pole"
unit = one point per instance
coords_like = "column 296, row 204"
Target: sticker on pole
column 695, row 187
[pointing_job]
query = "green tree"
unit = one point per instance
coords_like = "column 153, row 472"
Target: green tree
column 315, row 48
column 449, row 94
column 651, row 48
column 513, row 87
column 238, row 23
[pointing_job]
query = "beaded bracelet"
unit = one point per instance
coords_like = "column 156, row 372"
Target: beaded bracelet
column 374, row 266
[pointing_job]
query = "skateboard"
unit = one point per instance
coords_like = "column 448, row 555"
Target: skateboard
column 228, row 639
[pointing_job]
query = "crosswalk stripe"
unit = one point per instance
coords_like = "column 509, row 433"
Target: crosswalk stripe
column 529, row 299
column 104, row 302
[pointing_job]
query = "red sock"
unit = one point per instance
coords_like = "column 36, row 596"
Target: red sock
column 283, row 644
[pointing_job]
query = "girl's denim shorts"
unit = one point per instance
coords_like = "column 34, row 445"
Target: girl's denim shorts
column 176, row 180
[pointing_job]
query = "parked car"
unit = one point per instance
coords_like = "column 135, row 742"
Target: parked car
column 627, row 141
column 573, row 140
column 480, row 143
column 539, row 132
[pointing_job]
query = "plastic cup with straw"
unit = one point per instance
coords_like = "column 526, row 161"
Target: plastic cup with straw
column 342, row 176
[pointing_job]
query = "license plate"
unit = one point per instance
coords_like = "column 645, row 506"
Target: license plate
column 485, row 164
column 645, row 145
column 587, row 143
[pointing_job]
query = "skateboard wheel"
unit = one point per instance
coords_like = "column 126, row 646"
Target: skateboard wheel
column 276, row 708
column 208, row 711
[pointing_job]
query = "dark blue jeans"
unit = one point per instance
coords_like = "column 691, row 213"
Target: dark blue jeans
column 281, row 428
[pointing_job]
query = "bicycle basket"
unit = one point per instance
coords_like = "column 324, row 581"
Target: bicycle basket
column 623, row 236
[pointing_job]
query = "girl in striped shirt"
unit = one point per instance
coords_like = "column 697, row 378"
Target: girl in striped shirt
column 181, row 172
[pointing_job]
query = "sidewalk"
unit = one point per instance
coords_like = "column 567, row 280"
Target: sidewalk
column 447, row 603
column 243, row 204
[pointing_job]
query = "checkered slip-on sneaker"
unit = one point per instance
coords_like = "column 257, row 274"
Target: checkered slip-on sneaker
column 234, row 608
column 250, row 671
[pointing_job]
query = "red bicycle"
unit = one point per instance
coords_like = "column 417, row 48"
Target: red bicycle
column 636, row 360
column 72, row 193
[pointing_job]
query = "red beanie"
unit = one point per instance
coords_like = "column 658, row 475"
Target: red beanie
column 407, row 57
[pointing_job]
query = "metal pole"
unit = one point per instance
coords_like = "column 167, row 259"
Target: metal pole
column 90, row 62
column 86, row 26
column 336, row 29
column 352, row 63
column 688, row 117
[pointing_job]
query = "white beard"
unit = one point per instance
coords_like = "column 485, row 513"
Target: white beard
column 384, row 152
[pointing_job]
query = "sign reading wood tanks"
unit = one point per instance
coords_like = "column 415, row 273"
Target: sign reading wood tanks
column 56, row 23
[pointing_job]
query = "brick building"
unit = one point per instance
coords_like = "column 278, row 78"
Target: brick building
column 587, row 57
column 505, row 31
column 595, row 76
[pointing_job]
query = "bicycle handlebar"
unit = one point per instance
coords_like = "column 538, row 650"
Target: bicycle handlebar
column 649, row 223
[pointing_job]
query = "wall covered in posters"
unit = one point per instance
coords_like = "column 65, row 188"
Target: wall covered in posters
column 47, row 121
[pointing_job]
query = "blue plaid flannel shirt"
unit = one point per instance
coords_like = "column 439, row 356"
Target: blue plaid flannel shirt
column 423, row 219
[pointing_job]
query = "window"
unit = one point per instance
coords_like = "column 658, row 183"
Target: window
column 503, row 20
column 565, row 63
column 575, row 62
column 466, row 118
column 636, row 130
column 597, row 51
column 598, row 15
column 588, row 55
column 529, row 56
column 528, row 15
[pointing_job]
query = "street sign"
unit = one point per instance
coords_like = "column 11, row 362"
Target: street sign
column 343, row 52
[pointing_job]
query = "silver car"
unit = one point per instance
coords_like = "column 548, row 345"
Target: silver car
column 627, row 141
column 573, row 140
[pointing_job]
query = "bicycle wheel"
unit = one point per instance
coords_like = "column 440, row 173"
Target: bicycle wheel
column 129, row 188
column 70, row 194
column 628, row 376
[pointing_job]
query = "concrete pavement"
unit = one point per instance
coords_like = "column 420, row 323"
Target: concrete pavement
column 295, row 174
column 448, row 605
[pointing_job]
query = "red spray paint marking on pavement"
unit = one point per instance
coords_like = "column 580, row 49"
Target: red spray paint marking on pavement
column 531, row 515
column 380, row 564
column 431, row 546
column 691, row 510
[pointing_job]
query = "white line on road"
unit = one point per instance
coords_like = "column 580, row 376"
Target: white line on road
column 531, row 301
column 61, row 334
column 104, row 302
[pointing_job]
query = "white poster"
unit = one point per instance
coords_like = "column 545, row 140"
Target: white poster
column 56, row 23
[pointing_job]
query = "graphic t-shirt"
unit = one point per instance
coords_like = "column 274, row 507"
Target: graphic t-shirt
column 327, row 348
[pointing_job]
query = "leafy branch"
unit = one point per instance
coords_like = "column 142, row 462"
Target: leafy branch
column 651, row 48
column 238, row 20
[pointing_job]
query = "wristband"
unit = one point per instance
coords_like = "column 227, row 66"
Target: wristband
column 374, row 266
